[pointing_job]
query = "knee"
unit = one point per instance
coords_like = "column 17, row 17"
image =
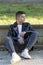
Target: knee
column 7, row 38
column 36, row 33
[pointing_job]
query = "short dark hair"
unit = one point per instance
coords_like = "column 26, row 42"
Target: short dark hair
column 19, row 13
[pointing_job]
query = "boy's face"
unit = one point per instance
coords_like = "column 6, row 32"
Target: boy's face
column 20, row 18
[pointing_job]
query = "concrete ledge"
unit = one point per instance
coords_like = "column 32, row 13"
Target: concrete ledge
column 35, row 26
column 4, row 31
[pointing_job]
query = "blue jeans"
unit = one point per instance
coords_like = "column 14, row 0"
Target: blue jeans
column 13, row 45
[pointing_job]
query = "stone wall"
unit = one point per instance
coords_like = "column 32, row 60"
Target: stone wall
column 4, row 31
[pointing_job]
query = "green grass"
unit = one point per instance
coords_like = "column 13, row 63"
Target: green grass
column 34, row 12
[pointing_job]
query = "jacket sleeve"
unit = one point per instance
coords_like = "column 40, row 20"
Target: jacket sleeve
column 12, row 33
column 30, row 28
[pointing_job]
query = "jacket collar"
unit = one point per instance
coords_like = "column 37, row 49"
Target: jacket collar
column 15, row 25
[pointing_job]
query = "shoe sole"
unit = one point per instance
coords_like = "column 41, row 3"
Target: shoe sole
column 12, row 62
column 24, row 57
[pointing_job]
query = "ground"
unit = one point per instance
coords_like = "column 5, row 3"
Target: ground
column 37, row 58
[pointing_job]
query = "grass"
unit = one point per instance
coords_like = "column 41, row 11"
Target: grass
column 34, row 12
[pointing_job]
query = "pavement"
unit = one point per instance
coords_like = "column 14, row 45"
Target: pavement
column 37, row 58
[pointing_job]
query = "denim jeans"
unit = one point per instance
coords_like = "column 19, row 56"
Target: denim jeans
column 13, row 45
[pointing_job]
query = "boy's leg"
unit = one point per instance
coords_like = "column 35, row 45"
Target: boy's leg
column 11, row 49
column 29, row 42
column 13, row 45
column 9, row 44
column 32, row 40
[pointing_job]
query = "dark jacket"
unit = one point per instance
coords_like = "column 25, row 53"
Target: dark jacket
column 13, row 30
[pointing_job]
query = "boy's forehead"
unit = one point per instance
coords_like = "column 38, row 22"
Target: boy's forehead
column 22, row 15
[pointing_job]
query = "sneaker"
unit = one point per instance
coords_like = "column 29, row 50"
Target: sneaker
column 25, row 54
column 15, row 58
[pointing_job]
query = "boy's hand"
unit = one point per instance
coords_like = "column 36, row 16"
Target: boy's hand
column 21, row 41
column 22, row 33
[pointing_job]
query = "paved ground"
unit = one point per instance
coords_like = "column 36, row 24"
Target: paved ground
column 37, row 58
